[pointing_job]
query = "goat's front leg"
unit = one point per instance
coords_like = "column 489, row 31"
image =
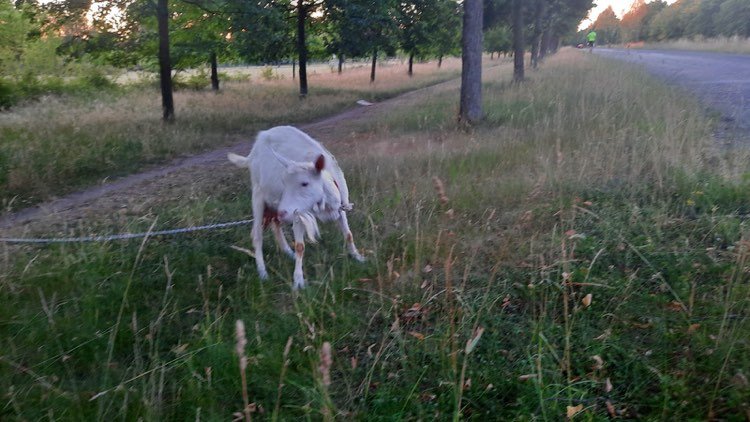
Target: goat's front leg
column 299, row 253
column 350, row 247
column 278, row 232
column 257, row 234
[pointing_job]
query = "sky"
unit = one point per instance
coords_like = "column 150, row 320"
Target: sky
column 619, row 6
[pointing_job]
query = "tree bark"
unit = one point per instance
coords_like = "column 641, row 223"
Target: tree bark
column 536, row 39
column 411, row 64
column 374, row 61
column 165, row 64
column 471, row 68
column 302, row 47
column 214, row 72
column 341, row 63
column 543, row 45
column 518, row 41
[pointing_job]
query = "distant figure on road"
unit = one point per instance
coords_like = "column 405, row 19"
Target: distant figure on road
column 591, row 38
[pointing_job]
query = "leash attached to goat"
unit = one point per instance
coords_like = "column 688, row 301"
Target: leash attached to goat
column 122, row 236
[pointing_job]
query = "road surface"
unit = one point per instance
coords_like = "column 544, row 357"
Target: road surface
column 722, row 81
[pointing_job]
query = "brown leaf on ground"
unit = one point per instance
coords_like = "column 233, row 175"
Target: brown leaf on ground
column 611, row 409
column 587, row 300
column 418, row 336
column 675, row 306
column 573, row 410
column 599, row 362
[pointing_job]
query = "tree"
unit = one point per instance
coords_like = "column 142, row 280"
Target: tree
column 667, row 24
column 540, row 7
column 607, row 27
column 632, row 21
column 561, row 19
column 518, row 39
column 414, row 27
column 734, row 18
column 165, row 64
column 497, row 40
column 445, row 33
column 302, row 10
column 343, row 35
column 375, row 18
column 471, row 70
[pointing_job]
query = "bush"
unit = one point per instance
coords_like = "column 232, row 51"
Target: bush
column 268, row 74
column 95, row 78
column 195, row 82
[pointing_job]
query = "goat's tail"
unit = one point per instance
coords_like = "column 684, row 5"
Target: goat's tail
column 237, row 160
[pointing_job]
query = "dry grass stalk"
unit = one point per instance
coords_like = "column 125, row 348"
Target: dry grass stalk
column 240, row 350
column 284, row 366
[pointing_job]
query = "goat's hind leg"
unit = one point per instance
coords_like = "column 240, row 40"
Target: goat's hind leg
column 350, row 247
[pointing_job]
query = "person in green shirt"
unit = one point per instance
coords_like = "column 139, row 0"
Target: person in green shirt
column 591, row 37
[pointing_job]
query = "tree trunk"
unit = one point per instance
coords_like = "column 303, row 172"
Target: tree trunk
column 440, row 61
column 374, row 61
column 518, row 41
column 294, row 69
column 555, row 43
column 411, row 64
column 543, row 45
column 536, row 39
column 214, row 72
column 301, row 47
column 471, row 68
column 341, row 63
column 165, row 64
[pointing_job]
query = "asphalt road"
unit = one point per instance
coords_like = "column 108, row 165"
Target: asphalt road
column 722, row 81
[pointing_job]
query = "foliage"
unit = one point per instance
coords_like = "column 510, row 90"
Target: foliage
column 690, row 19
column 497, row 40
column 607, row 27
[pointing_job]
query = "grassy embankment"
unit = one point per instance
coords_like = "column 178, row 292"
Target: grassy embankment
column 587, row 252
column 55, row 145
column 735, row 45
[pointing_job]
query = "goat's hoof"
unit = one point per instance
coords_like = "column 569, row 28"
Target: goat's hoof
column 359, row 258
column 299, row 282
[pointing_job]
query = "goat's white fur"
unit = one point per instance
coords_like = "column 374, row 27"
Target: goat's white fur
column 287, row 176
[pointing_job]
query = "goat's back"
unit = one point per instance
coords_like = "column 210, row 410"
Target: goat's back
column 291, row 143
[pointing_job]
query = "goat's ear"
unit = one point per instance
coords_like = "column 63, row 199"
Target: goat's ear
column 320, row 162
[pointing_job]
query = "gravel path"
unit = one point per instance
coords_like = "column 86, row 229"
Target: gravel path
column 722, row 81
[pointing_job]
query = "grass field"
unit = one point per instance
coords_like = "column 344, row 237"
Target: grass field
column 582, row 253
column 736, row 45
column 53, row 146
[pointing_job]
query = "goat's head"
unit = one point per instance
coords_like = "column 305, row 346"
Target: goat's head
column 304, row 190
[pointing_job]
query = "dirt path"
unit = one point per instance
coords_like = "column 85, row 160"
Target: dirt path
column 722, row 81
column 133, row 194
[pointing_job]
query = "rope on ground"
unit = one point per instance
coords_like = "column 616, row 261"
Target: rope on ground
column 123, row 236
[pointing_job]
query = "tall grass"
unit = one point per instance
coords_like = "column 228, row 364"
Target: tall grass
column 735, row 44
column 576, row 255
column 64, row 142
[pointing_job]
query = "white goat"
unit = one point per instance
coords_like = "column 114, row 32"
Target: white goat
column 295, row 180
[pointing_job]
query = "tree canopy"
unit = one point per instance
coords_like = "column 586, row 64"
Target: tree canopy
column 657, row 21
